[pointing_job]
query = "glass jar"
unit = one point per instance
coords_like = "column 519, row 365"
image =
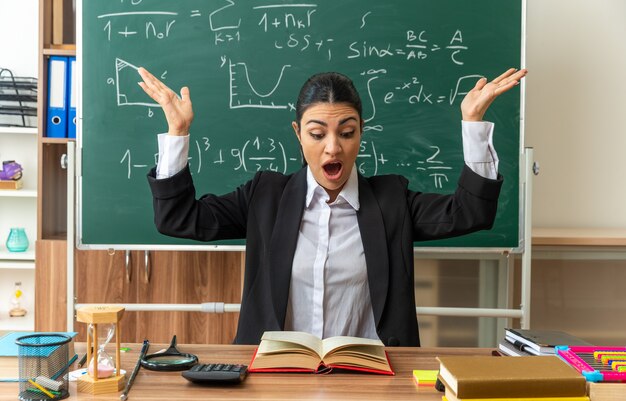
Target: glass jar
column 17, row 241
column 16, row 309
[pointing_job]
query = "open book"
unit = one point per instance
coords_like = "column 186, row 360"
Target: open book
column 295, row 351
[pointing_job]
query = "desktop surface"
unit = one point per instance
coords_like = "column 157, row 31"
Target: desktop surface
column 150, row 385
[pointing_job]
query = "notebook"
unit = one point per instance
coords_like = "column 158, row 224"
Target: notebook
column 541, row 341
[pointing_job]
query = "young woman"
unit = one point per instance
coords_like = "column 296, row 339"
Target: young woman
column 328, row 251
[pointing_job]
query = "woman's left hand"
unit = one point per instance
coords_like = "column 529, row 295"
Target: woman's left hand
column 478, row 100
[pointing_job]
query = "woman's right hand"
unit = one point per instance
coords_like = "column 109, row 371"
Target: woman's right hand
column 178, row 111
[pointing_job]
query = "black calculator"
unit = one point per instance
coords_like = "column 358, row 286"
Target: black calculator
column 216, row 373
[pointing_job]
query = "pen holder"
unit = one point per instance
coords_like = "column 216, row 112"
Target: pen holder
column 43, row 364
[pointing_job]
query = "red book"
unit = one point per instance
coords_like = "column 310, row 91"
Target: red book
column 295, row 351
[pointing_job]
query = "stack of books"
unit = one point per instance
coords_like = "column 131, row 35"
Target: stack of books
column 521, row 342
column 493, row 378
column 607, row 391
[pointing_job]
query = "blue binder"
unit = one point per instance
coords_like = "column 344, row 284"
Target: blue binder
column 56, row 126
column 71, row 92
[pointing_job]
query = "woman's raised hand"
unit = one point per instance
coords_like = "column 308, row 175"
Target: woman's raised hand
column 478, row 100
column 178, row 111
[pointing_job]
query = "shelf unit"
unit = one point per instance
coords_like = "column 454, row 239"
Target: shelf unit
column 54, row 17
column 17, row 260
column 18, row 208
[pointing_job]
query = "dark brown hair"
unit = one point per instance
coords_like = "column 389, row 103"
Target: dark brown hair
column 327, row 87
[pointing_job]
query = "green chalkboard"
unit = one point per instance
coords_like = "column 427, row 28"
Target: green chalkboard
column 244, row 61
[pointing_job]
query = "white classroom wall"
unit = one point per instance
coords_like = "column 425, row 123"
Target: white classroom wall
column 575, row 111
column 19, row 30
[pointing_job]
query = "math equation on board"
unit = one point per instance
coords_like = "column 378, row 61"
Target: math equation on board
column 269, row 154
column 387, row 71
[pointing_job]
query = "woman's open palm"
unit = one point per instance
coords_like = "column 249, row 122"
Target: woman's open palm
column 178, row 110
column 478, row 100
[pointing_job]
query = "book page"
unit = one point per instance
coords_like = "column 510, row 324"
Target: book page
column 354, row 351
column 357, row 360
column 281, row 347
column 285, row 360
column 334, row 343
column 303, row 339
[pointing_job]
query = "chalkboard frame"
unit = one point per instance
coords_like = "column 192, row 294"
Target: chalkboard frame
column 226, row 246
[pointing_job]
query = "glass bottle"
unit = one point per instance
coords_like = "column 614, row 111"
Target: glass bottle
column 16, row 307
column 106, row 364
column 17, row 241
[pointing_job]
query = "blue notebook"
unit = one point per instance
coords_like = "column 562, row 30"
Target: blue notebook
column 9, row 354
column 8, row 347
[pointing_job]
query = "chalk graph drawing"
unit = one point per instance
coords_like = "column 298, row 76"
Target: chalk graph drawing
column 128, row 92
column 244, row 94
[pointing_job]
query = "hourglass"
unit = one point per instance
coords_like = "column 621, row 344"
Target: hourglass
column 102, row 361
column 104, row 373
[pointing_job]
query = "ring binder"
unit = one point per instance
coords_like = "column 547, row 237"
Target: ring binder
column 56, row 126
column 71, row 92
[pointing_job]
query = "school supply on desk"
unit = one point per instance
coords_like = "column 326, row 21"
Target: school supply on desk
column 510, row 349
column 596, row 364
column 541, row 342
column 169, row 360
column 294, row 351
column 606, row 391
column 61, row 372
column 103, row 334
column 9, row 363
column 131, row 379
column 216, row 373
column 43, row 361
column 56, row 120
column 75, row 374
column 502, row 377
column 448, row 397
column 48, row 383
column 83, row 359
column 41, row 388
column 425, row 377
column 439, row 386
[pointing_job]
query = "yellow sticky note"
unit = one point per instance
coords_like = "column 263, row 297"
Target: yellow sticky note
column 425, row 377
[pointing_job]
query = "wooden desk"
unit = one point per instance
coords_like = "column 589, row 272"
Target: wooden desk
column 342, row 386
column 598, row 237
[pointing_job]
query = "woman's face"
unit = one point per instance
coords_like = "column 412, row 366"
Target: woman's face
column 330, row 135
